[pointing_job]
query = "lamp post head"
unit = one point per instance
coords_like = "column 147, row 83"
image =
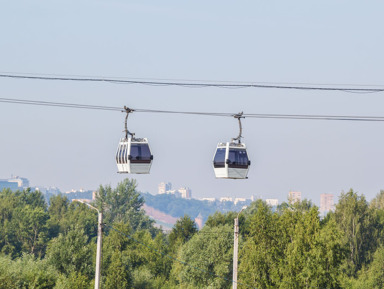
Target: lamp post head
column 242, row 209
column 90, row 206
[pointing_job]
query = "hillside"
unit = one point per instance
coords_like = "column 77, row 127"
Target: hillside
column 161, row 218
column 178, row 207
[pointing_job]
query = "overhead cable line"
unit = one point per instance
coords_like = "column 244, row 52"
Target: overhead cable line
column 175, row 259
column 217, row 114
column 59, row 104
column 198, row 84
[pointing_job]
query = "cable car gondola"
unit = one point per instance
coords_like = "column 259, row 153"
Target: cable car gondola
column 231, row 159
column 133, row 154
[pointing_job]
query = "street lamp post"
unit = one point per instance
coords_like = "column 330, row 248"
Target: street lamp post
column 236, row 248
column 99, row 245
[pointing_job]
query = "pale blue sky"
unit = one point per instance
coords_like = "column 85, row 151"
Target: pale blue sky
column 336, row 42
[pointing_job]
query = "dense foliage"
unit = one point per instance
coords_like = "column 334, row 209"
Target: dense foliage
column 290, row 247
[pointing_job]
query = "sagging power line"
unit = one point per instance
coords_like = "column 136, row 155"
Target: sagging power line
column 197, row 113
column 199, row 84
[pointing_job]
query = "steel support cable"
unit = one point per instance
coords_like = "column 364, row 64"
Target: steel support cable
column 247, row 115
column 186, row 112
column 317, row 117
column 192, row 84
column 275, row 116
column 180, row 261
column 59, row 104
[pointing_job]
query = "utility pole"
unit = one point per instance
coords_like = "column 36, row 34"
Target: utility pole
column 99, row 245
column 99, row 250
column 235, row 252
column 236, row 249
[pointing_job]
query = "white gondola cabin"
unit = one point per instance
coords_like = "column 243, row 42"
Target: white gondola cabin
column 134, row 156
column 231, row 161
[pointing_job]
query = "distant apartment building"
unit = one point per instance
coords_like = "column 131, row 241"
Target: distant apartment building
column 326, row 203
column 238, row 200
column 47, row 190
column 272, row 202
column 294, row 197
column 5, row 184
column 255, row 198
column 21, row 182
column 173, row 192
column 75, row 191
column 226, row 199
column 185, row 193
column 164, row 187
column 208, row 199
column 14, row 183
column 80, row 195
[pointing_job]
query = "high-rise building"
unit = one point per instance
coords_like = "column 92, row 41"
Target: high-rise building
column 14, row 183
column 326, row 203
column 5, row 184
column 164, row 187
column 186, row 193
column 294, row 197
column 21, row 182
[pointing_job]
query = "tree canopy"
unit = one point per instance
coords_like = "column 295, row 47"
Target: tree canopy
column 289, row 247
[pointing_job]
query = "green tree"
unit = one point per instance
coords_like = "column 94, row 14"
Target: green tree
column 326, row 256
column 57, row 211
column 290, row 248
column 313, row 257
column 117, row 269
column 23, row 222
column 70, row 252
column 118, row 273
column 209, row 258
column 263, row 250
column 378, row 201
column 33, row 198
column 182, row 231
column 74, row 280
column 26, row 272
column 227, row 218
column 377, row 209
column 135, row 258
column 83, row 217
column 358, row 224
column 32, row 228
column 372, row 277
column 123, row 204
column 9, row 243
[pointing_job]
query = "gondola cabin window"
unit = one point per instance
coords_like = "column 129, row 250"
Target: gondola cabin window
column 238, row 158
column 140, row 153
column 219, row 161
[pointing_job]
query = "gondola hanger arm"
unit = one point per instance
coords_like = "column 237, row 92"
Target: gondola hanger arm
column 127, row 132
column 239, row 116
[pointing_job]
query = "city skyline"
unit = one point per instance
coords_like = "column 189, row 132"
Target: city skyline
column 325, row 201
